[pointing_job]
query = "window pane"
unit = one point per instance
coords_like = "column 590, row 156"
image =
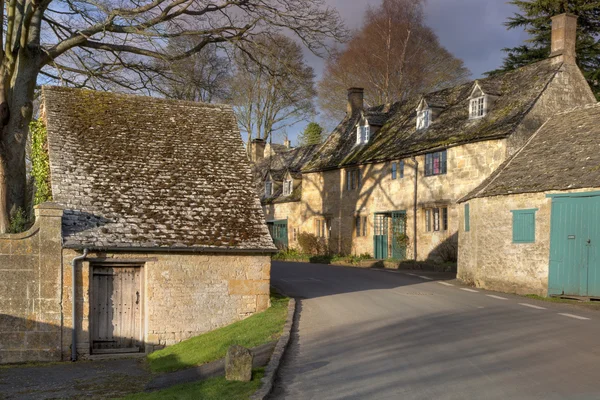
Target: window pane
column 467, row 218
column 444, row 162
column 436, row 219
column 445, row 218
column 357, row 223
column 428, row 220
column 394, row 170
column 402, row 169
column 364, row 226
column 348, row 179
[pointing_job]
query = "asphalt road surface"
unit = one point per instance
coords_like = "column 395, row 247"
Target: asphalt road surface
column 373, row 334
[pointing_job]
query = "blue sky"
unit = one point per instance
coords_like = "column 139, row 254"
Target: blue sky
column 470, row 29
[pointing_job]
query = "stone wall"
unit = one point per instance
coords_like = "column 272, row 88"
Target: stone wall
column 324, row 194
column 487, row 256
column 184, row 294
column 568, row 89
column 30, row 303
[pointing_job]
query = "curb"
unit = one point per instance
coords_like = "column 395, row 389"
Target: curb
column 275, row 362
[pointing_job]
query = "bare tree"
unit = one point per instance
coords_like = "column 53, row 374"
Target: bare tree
column 203, row 76
column 108, row 44
column 393, row 56
column 272, row 88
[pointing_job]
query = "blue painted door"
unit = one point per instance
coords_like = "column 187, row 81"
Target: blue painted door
column 279, row 233
column 399, row 235
column 380, row 236
column 574, row 244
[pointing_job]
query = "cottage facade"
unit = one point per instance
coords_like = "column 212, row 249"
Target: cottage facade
column 387, row 180
column 533, row 226
column 156, row 234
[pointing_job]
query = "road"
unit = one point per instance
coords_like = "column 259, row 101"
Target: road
column 373, row 334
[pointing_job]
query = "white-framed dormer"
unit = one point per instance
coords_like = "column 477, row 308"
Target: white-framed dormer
column 288, row 185
column 424, row 115
column 480, row 102
column 363, row 131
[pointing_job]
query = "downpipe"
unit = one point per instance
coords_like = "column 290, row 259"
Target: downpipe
column 414, row 159
column 74, row 308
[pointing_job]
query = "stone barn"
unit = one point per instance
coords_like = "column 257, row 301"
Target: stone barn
column 155, row 235
column 534, row 225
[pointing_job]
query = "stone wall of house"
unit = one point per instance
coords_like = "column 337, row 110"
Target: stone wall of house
column 293, row 212
column 30, row 303
column 568, row 89
column 489, row 259
column 487, row 256
column 184, row 294
column 325, row 195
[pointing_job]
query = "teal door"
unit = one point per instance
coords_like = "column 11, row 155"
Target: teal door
column 574, row 242
column 279, row 233
column 380, row 236
column 399, row 235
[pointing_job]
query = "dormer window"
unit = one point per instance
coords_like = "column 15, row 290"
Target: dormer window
column 423, row 119
column 362, row 134
column 288, row 187
column 268, row 189
column 478, row 107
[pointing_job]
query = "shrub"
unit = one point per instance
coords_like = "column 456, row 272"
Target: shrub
column 19, row 222
column 447, row 251
column 311, row 244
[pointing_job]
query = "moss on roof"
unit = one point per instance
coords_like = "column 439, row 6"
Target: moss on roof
column 517, row 91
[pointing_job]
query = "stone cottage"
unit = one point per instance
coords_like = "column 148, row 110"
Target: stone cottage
column 534, row 225
column 156, row 234
column 387, row 180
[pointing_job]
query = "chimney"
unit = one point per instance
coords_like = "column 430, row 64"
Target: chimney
column 355, row 100
column 287, row 143
column 257, row 150
column 564, row 38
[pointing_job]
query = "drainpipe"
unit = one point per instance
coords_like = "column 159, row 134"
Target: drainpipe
column 74, row 284
column 414, row 159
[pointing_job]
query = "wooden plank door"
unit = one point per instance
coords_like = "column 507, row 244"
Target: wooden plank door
column 398, row 235
column 116, row 310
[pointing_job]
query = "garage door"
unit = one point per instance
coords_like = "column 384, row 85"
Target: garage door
column 574, row 244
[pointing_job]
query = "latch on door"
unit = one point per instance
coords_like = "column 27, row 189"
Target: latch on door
column 137, row 294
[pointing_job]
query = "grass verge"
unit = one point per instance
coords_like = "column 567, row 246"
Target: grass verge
column 253, row 331
column 210, row 389
column 592, row 305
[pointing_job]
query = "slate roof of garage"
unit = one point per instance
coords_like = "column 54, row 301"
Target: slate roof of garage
column 563, row 154
column 141, row 172
column 517, row 92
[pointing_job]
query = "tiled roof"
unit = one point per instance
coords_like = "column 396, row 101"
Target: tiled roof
column 518, row 90
column 563, row 154
column 140, row 172
column 279, row 165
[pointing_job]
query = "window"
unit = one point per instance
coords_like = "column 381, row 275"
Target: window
column 360, row 226
column 401, row 169
column 268, row 188
column 435, row 163
column 423, row 119
column 394, row 170
column 295, row 237
column 362, row 134
column 477, row 107
column 467, row 218
column 322, row 227
column 524, row 226
column 436, row 219
column 353, row 179
column 288, row 187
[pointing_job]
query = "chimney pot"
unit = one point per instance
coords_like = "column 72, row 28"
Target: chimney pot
column 257, row 150
column 287, row 143
column 356, row 97
column 564, row 38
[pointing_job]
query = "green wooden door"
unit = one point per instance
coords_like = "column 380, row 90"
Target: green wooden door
column 279, row 233
column 380, row 236
column 399, row 235
column 574, row 239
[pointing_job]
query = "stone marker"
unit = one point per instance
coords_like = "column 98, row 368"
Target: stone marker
column 238, row 364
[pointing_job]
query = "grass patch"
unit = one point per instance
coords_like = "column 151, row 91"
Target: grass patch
column 253, row 331
column 210, row 389
column 591, row 305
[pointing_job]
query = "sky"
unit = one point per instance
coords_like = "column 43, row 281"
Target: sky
column 472, row 30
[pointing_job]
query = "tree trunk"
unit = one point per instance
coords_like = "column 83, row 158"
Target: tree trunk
column 18, row 92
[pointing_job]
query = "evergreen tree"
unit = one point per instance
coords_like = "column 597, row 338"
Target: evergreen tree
column 535, row 17
column 312, row 134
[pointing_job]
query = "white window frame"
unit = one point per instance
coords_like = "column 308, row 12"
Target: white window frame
column 363, row 132
column 288, row 187
column 269, row 188
column 423, row 119
column 478, row 107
